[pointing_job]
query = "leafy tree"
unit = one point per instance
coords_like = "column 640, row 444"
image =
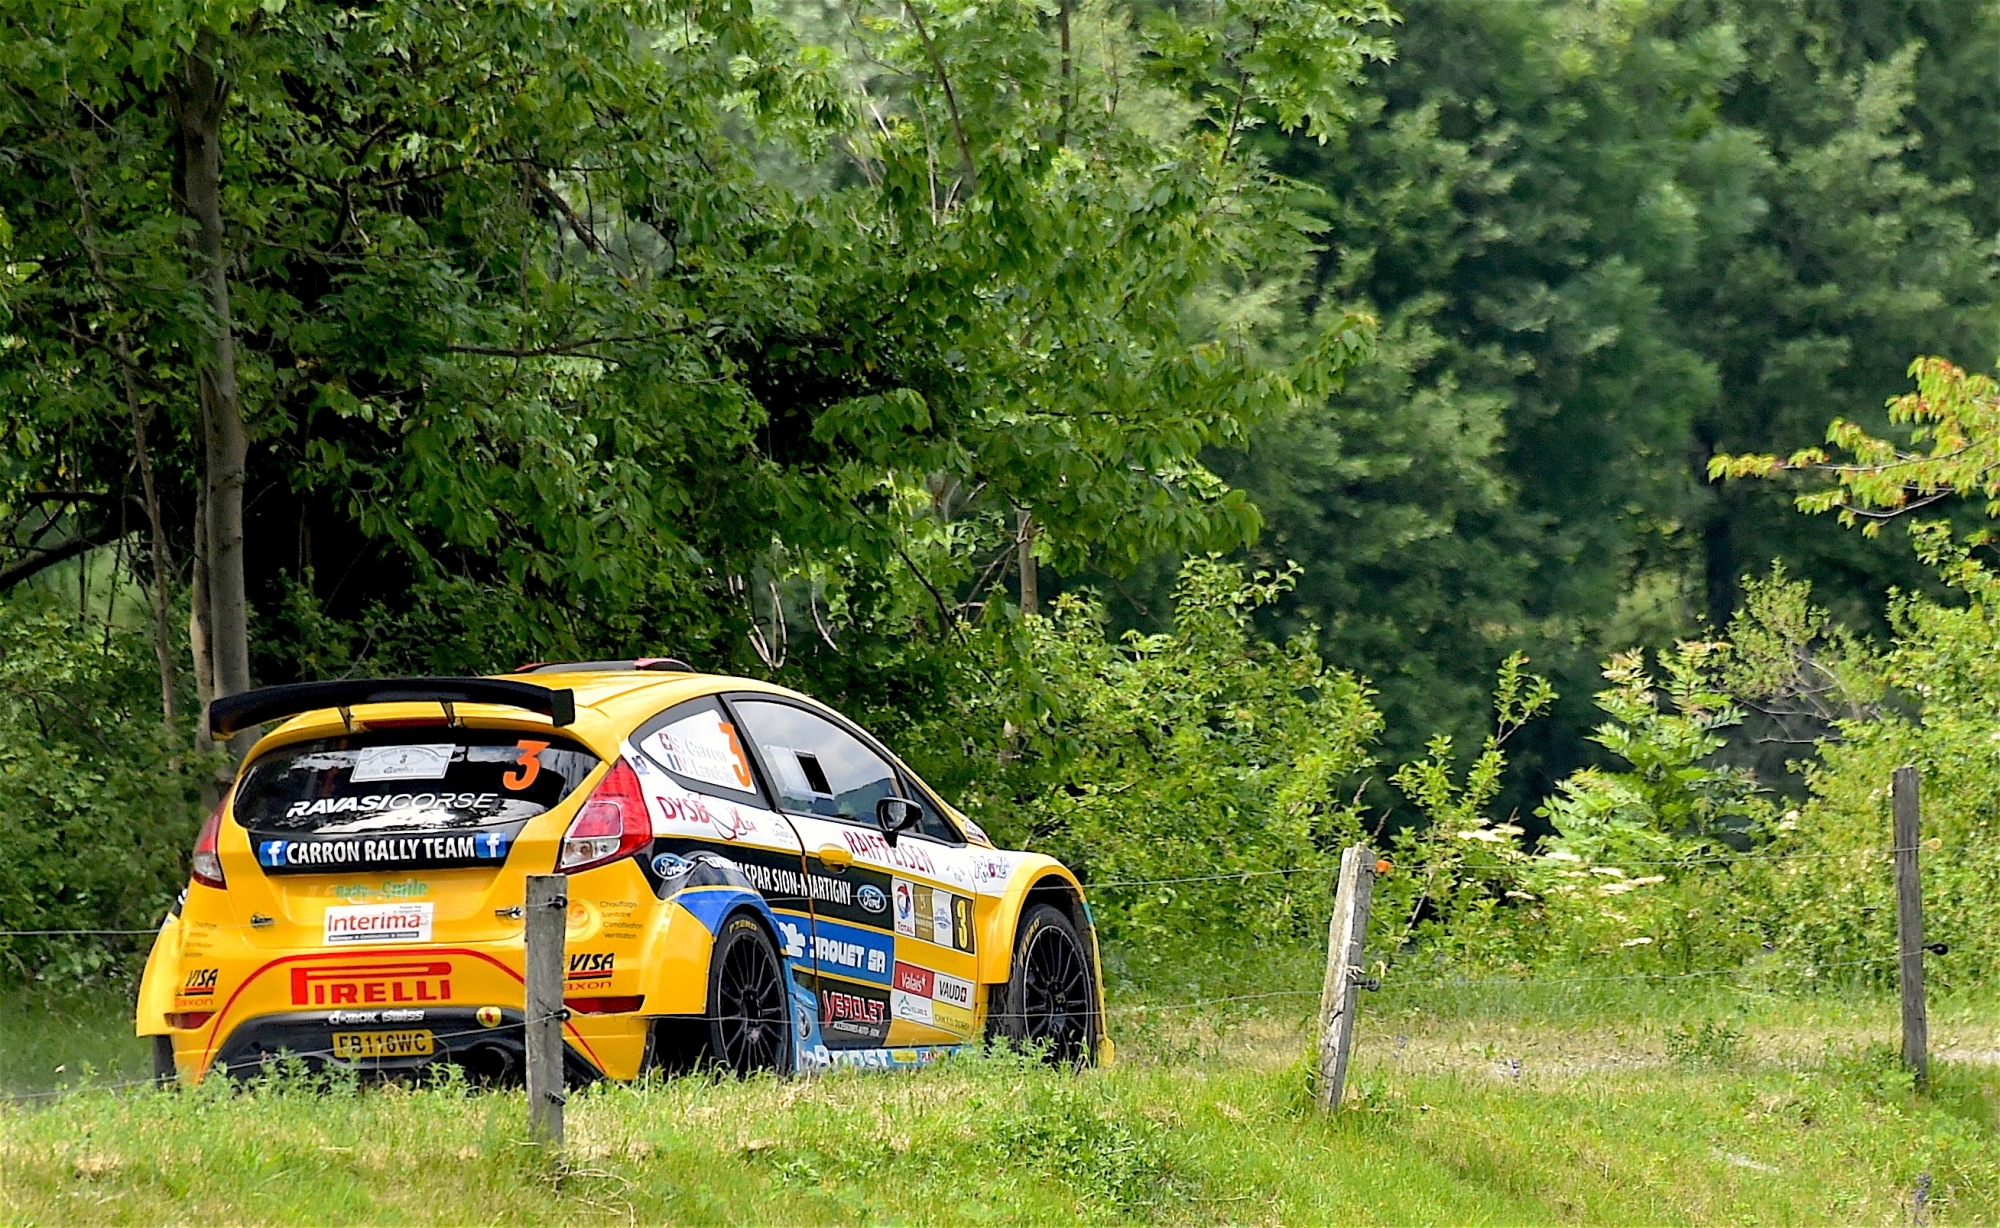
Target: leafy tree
column 600, row 326
column 1605, row 243
column 1200, row 755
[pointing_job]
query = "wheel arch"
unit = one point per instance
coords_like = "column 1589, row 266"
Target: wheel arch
column 1042, row 880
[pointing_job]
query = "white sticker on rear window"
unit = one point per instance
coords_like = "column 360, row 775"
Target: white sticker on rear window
column 423, row 762
column 702, row 747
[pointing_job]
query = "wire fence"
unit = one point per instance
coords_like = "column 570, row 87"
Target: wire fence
column 1133, row 1010
column 1126, row 884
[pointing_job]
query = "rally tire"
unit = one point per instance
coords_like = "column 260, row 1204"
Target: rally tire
column 165, row 1073
column 748, row 1024
column 1049, row 1002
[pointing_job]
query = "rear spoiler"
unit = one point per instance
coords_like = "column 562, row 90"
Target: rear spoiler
column 235, row 712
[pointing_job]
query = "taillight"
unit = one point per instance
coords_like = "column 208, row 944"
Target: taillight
column 612, row 824
column 207, row 865
column 188, row 1019
column 606, row 1006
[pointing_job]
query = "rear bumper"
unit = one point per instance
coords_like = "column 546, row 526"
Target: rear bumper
column 488, row 1052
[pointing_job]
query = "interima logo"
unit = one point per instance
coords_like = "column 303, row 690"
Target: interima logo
column 355, row 984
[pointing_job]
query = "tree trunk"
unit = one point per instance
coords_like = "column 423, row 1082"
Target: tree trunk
column 199, row 96
column 163, row 570
column 163, row 566
column 1024, row 537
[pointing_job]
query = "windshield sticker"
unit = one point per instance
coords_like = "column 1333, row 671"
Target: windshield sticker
column 429, row 852
column 428, row 762
column 703, row 747
column 394, row 803
column 529, row 766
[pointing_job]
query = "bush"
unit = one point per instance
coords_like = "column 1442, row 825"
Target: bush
column 97, row 814
column 1202, row 759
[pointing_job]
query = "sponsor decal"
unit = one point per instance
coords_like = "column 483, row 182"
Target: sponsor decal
column 777, row 877
column 392, row 802
column 991, row 871
column 911, row 1007
column 353, row 852
column 488, row 1016
column 879, row 1059
column 402, row 763
column 379, row 923
column 728, row 821
column 933, row 998
column 416, row 980
column 592, row 966
column 933, row 914
column 200, row 983
column 951, row 1004
column 385, row 1016
column 912, row 979
column 671, row 866
column 793, row 936
column 904, row 854
column 871, row 899
column 849, row 950
column 772, row 873
column 854, row 1016
column 407, row 889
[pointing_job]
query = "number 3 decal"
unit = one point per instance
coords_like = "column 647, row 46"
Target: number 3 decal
column 530, row 765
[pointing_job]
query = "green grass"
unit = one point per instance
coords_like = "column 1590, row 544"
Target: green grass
column 1589, row 1103
column 52, row 1040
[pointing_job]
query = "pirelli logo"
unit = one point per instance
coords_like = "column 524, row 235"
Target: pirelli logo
column 356, row 984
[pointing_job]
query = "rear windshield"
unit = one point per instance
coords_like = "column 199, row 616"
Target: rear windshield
column 425, row 779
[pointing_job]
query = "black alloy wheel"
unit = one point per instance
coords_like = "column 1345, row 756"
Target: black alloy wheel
column 1050, row 1004
column 749, row 1028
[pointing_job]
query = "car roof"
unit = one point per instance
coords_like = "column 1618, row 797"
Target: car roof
column 609, row 703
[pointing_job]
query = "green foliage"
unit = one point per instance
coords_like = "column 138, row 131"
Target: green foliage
column 1606, row 242
column 96, row 817
column 1810, row 1120
column 602, row 326
column 1198, row 754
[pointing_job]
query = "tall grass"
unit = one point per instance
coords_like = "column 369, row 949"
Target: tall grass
column 1634, row 1107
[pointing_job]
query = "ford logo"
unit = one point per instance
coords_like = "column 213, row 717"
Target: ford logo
column 669, row 865
column 871, row 898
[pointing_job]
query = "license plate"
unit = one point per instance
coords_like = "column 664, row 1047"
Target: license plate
column 350, row 1045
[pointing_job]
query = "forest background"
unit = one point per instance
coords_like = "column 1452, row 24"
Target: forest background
column 1161, row 423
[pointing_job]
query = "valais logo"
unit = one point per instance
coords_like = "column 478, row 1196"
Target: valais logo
column 423, row 980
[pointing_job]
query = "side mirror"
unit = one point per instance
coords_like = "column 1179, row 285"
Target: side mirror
column 896, row 815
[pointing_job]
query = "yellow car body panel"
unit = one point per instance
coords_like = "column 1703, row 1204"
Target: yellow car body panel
column 242, row 973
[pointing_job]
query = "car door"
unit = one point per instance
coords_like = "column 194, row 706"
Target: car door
column 708, row 809
column 893, row 940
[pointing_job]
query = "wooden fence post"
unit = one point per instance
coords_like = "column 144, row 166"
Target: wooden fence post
column 1910, row 926
column 1347, row 935
column 547, row 920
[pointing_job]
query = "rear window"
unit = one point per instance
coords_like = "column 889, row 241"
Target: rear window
column 449, row 797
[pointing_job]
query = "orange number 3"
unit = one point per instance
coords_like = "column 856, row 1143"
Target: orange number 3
column 530, row 765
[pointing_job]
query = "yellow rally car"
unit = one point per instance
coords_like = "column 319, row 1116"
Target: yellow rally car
column 755, row 883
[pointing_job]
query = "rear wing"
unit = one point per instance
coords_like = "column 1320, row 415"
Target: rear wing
column 236, row 712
